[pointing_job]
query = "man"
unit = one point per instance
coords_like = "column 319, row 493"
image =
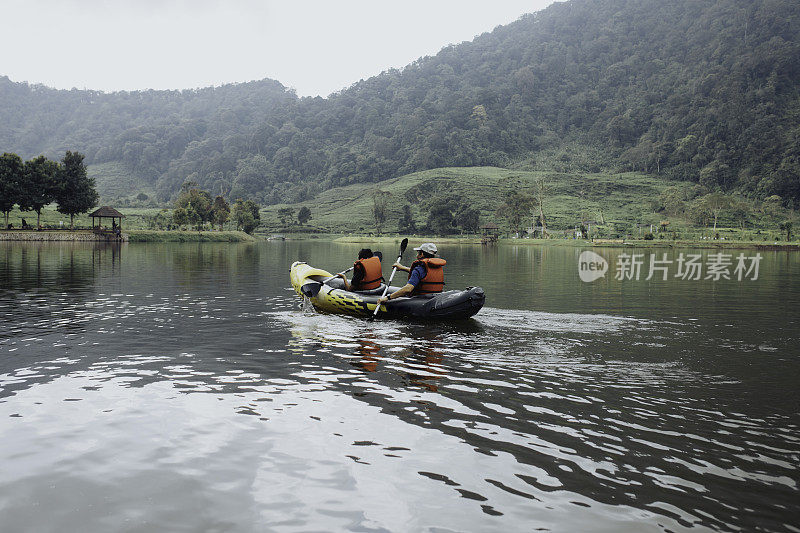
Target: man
column 425, row 275
column 367, row 272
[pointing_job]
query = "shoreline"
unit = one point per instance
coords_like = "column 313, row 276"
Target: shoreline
column 580, row 243
column 164, row 236
column 48, row 235
column 138, row 236
column 189, row 236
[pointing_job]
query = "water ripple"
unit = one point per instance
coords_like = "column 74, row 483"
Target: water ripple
column 218, row 406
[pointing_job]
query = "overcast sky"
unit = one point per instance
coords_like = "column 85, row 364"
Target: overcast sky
column 314, row 46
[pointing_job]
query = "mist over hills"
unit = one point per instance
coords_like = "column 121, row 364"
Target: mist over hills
column 698, row 91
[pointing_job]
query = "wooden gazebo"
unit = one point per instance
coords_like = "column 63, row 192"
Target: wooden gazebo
column 107, row 212
column 490, row 233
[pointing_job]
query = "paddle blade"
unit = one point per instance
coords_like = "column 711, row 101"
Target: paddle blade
column 403, row 246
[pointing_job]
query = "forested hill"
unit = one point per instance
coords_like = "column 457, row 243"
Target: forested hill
column 703, row 91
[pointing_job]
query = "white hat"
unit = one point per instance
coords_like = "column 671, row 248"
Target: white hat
column 428, row 248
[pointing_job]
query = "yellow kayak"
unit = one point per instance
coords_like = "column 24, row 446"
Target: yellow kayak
column 326, row 293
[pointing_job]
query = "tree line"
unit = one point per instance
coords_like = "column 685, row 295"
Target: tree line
column 31, row 185
column 195, row 207
column 694, row 91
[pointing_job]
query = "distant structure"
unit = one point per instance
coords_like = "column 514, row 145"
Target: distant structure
column 533, row 230
column 113, row 233
column 644, row 227
column 490, row 233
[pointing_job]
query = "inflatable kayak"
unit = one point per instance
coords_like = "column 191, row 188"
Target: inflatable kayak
column 327, row 294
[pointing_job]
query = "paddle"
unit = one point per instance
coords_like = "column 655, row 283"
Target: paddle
column 326, row 280
column 399, row 257
column 311, row 288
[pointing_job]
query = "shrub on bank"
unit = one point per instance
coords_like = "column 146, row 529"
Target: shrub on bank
column 188, row 236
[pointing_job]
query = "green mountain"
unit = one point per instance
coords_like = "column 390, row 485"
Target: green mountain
column 705, row 92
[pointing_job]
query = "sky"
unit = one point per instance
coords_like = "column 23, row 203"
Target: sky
column 316, row 47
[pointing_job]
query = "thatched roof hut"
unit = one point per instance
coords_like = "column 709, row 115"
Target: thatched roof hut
column 107, row 212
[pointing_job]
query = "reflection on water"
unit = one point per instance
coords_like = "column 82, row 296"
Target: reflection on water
column 183, row 387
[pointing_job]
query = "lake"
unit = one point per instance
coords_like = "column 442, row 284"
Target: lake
column 180, row 387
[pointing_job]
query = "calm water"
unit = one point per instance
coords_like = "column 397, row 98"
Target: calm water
column 180, row 387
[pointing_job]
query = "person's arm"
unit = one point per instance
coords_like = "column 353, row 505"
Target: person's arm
column 398, row 266
column 346, row 284
column 406, row 289
column 399, row 293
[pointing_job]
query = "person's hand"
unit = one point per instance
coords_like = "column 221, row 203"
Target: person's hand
column 382, row 300
column 341, row 276
column 397, row 265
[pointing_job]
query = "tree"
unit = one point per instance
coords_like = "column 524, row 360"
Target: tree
column 787, row 227
column 699, row 213
column 38, row 187
column 160, row 220
column 244, row 220
column 741, row 211
column 180, row 216
column 380, row 200
column 11, row 168
column 516, row 206
column 440, row 215
column 712, row 205
column 407, row 224
column 715, row 174
column 541, row 191
column 75, row 192
column 671, row 201
column 246, row 215
column 286, row 215
column 304, row 215
column 254, row 210
column 468, row 219
column 193, row 207
column 220, row 211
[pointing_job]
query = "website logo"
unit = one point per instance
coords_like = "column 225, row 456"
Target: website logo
column 591, row 266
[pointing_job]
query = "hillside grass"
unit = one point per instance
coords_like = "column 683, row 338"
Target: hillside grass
column 621, row 201
column 620, row 197
column 117, row 185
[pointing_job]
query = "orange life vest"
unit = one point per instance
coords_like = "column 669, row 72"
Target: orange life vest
column 434, row 275
column 373, row 275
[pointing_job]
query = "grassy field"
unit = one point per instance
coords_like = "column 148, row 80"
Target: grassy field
column 622, row 202
column 613, row 197
column 135, row 223
column 134, row 217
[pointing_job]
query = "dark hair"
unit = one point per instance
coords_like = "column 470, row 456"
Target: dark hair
column 427, row 255
column 365, row 253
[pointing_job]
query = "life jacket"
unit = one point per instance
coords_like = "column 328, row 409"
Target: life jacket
column 373, row 275
column 434, row 275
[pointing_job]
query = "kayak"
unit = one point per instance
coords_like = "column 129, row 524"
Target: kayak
column 327, row 294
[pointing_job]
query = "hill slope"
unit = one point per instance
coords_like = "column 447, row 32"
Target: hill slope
column 613, row 205
column 569, row 198
column 698, row 91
